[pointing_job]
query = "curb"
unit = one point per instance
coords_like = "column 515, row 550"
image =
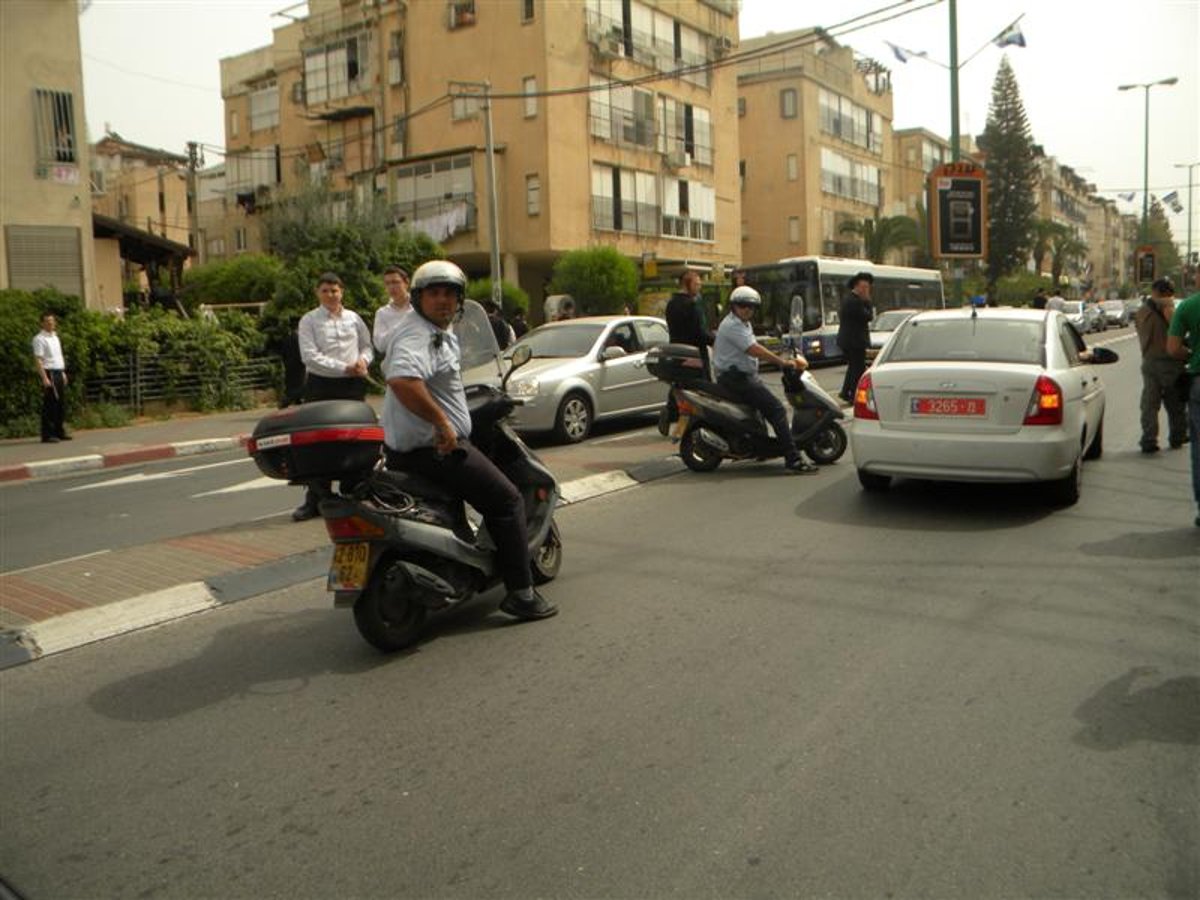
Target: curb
column 50, row 467
column 87, row 626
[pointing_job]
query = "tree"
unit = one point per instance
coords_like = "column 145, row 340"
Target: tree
column 512, row 297
column 599, row 278
column 1045, row 231
column 247, row 278
column 1159, row 236
column 1012, row 175
column 882, row 235
column 1065, row 248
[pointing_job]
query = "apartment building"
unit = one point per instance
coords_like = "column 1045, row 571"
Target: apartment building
column 145, row 187
column 613, row 123
column 916, row 152
column 816, row 141
column 45, row 203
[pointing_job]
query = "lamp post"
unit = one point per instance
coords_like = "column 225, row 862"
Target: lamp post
column 1146, row 149
column 1187, row 263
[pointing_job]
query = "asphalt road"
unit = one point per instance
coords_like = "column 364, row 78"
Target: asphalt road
column 758, row 686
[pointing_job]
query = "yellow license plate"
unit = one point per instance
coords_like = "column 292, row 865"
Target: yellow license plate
column 348, row 571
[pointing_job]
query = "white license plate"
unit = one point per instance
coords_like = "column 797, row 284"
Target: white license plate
column 348, row 570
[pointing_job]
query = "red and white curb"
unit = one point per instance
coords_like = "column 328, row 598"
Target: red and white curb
column 92, row 461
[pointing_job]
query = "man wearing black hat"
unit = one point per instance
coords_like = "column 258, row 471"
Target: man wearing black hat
column 1160, row 371
column 854, row 330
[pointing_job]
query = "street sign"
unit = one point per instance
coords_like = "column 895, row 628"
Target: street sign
column 957, row 204
column 1145, row 264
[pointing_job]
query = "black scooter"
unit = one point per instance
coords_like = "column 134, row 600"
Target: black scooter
column 715, row 426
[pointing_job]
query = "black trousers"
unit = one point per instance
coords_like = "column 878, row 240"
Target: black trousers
column 753, row 390
column 856, row 364
column 321, row 387
column 467, row 473
column 54, row 408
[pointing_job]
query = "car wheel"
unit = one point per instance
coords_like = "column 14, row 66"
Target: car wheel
column 574, row 420
column 873, row 482
column 1065, row 491
column 697, row 455
column 1096, row 449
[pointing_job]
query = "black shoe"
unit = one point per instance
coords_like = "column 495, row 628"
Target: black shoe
column 534, row 607
column 50, row 440
column 664, row 422
column 1176, row 443
column 800, row 467
column 1149, row 448
column 304, row 512
column 64, row 437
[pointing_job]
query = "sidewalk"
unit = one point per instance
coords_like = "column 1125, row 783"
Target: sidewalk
column 65, row 604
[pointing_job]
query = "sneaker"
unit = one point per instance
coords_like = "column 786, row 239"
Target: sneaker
column 535, row 606
column 304, row 512
column 800, row 467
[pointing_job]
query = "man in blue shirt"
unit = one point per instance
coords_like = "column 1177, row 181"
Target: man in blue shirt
column 736, row 353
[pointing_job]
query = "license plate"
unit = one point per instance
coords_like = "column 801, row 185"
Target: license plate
column 348, row 571
column 948, row 406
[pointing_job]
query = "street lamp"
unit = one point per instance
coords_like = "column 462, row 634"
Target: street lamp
column 1146, row 151
column 1187, row 268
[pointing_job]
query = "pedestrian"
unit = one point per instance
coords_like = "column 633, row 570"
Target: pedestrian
column 503, row 333
column 854, row 330
column 52, row 371
column 336, row 348
column 1055, row 301
column 736, row 354
column 686, row 325
column 288, row 348
column 518, row 323
column 427, row 427
column 1160, row 370
column 1183, row 342
column 1039, row 300
column 395, row 281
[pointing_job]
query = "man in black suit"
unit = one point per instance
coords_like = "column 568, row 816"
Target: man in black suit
column 854, row 331
column 686, row 325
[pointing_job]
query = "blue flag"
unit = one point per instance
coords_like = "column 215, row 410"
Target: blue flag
column 1010, row 36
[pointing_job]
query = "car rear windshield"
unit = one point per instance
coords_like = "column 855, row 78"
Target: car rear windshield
column 890, row 320
column 561, row 340
column 981, row 339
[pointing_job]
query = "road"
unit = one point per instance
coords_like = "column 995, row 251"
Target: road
column 758, row 686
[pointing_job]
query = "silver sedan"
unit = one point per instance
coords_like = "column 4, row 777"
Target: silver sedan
column 999, row 395
column 584, row 370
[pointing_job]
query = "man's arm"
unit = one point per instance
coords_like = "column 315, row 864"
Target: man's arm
column 1176, row 348
column 758, row 351
column 415, row 397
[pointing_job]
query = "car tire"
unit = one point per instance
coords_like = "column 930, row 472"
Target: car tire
column 697, row 455
column 1065, row 491
column 573, row 422
column 873, row 482
column 1096, row 449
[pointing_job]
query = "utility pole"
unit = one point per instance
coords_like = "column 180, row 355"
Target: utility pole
column 193, row 200
column 493, row 217
column 1188, row 264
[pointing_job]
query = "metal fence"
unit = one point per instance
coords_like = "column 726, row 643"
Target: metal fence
column 153, row 378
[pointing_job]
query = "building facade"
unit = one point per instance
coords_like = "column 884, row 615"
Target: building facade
column 142, row 186
column 613, row 124
column 45, row 196
column 816, row 145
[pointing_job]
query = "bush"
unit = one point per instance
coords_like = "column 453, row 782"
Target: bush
column 249, row 278
column 513, row 298
column 1011, row 290
column 600, row 279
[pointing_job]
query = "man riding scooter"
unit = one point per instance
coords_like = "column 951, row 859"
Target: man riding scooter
column 736, row 354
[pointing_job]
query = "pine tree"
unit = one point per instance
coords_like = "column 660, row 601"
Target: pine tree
column 1012, row 174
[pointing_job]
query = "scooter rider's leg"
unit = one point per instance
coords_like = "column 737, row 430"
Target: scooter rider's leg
column 761, row 398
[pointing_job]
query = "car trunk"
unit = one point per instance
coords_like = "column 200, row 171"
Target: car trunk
column 945, row 398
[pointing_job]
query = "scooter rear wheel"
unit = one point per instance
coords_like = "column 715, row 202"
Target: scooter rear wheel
column 697, row 455
column 545, row 563
column 827, row 446
column 387, row 614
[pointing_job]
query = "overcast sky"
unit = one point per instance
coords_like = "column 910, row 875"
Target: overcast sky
column 151, row 73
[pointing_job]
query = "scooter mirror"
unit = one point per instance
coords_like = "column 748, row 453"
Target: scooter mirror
column 521, row 355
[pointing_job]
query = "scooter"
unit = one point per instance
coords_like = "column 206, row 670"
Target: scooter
column 403, row 546
column 714, row 425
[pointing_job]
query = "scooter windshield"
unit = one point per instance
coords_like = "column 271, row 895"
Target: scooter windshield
column 476, row 340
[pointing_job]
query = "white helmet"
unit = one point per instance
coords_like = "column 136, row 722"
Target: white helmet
column 437, row 271
column 745, row 296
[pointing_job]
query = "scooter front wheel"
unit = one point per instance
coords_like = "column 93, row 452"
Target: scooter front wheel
column 387, row 613
column 547, row 560
column 828, row 445
column 697, row 455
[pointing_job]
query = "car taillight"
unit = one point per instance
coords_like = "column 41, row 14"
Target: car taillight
column 1046, row 404
column 352, row 527
column 864, row 399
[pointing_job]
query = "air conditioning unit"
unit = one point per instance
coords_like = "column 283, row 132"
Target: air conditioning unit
column 722, row 45
column 678, row 159
column 609, row 47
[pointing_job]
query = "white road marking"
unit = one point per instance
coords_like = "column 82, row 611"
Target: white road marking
column 154, row 476
column 595, row 485
column 641, row 432
column 251, row 485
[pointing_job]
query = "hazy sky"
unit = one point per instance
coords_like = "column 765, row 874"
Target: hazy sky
column 151, row 73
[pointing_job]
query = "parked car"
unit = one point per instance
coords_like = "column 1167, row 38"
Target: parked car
column 885, row 323
column 584, row 370
column 1086, row 317
column 990, row 395
column 1116, row 313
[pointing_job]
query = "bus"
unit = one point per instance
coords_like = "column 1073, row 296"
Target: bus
column 804, row 294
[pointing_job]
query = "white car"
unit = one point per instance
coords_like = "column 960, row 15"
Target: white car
column 985, row 395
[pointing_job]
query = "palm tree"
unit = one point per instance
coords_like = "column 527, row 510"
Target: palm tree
column 1064, row 250
column 883, row 234
column 1045, row 233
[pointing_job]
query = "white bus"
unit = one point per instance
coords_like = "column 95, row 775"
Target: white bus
column 804, row 294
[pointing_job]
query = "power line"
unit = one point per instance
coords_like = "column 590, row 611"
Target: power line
column 111, row 65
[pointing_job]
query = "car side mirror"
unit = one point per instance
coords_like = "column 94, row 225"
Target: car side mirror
column 1102, row 356
column 613, row 352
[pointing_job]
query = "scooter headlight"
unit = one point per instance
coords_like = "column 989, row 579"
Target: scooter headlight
column 524, row 387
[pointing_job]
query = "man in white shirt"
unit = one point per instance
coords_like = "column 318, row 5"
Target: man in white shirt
column 1056, row 301
column 395, row 279
column 336, row 349
column 52, row 370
